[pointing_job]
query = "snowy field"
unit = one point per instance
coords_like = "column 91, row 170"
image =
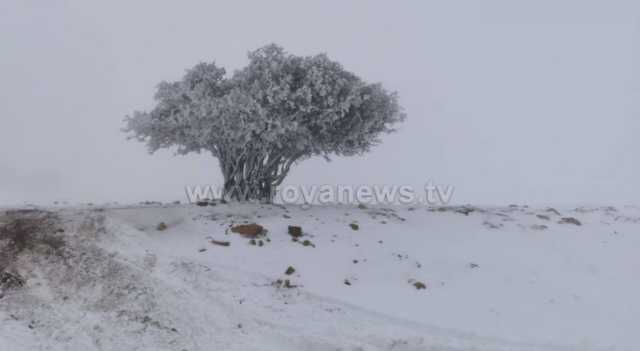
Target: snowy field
column 154, row 277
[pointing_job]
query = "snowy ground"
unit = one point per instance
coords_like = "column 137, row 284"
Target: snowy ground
column 509, row 278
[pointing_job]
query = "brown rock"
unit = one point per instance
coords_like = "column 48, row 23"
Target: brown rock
column 295, row 231
column 248, row 230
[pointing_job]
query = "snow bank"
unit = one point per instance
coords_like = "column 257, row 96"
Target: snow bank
column 512, row 278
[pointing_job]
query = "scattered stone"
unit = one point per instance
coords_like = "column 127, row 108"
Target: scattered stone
column 492, row 225
column 539, row 227
column 260, row 243
column 284, row 284
column 347, row 282
column 355, row 261
column 286, row 216
column 253, row 242
column 220, row 243
column 362, row 206
column 295, row 231
column 569, row 220
column 420, row 285
column 553, row 210
column 290, row 270
column 248, row 230
column 308, row 243
column 465, row 210
column 202, row 203
column 202, row 250
column 543, row 217
column 473, row 265
column 354, row 226
column 162, row 226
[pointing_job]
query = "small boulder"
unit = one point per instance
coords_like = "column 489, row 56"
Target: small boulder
column 354, row 226
column 420, row 285
column 290, row 270
column 295, row 231
column 248, row 230
column 162, row 226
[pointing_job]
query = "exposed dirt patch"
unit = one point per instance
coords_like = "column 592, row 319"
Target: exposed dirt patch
column 28, row 231
column 10, row 281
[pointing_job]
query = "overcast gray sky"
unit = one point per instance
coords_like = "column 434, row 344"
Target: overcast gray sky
column 509, row 101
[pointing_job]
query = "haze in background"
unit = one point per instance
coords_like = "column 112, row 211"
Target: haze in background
column 510, row 102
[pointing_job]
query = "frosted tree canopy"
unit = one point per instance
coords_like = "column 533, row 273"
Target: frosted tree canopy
column 262, row 119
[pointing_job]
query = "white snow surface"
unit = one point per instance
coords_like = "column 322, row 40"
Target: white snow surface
column 495, row 280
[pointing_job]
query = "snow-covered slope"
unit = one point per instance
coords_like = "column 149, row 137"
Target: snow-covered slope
column 513, row 278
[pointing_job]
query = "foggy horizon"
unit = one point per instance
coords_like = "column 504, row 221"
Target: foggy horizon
column 527, row 104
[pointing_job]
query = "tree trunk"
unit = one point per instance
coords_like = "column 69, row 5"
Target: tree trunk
column 254, row 177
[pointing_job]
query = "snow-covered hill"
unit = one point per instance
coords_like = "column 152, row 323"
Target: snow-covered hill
column 157, row 278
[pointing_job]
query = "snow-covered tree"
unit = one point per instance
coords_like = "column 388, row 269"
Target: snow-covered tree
column 262, row 119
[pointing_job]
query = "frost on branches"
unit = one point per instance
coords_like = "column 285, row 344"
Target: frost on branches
column 262, row 119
